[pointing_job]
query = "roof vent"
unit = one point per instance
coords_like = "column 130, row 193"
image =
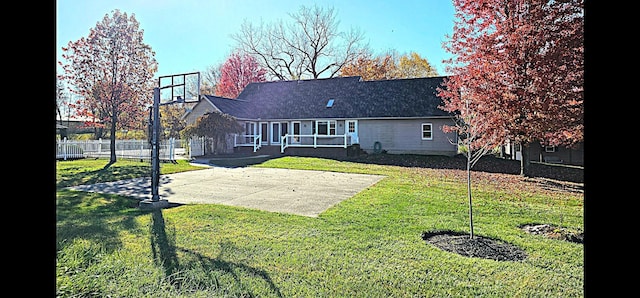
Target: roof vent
column 330, row 103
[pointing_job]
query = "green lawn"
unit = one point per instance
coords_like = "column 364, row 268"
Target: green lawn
column 366, row 246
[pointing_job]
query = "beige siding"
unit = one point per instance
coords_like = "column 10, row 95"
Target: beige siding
column 405, row 136
column 199, row 109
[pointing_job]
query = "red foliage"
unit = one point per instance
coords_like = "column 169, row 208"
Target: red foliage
column 236, row 73
column 520, row 66
column 112, row 71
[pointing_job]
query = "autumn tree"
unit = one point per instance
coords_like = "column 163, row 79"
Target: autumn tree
column 171, row 122
column 521, row 63
column 472, row 140
column 389, row 66
column 112, row 70
column 371, row 68
column 309, row 46
column 236, row 73
column 412, row 65
column 215, row 125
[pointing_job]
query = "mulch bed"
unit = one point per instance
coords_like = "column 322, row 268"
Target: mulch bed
column 478, row 246
column 488, row 164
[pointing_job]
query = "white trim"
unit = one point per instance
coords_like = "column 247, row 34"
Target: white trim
column 350, row 118
column 328, row 122
column 264, row 134
column 430, row 130
column 353, row 135
column 293, row 132
column 275, row 134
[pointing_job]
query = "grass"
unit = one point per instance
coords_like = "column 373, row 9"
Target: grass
column 366, row 246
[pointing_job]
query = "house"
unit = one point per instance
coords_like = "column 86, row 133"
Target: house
column 327, row 116
column 73, row 124
column 548, row 154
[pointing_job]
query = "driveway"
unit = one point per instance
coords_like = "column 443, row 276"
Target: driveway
column 300, row 192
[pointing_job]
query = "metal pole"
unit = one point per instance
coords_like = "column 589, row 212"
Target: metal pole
column 155, row 148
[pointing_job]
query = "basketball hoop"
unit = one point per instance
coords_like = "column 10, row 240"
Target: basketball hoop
column 179, row 92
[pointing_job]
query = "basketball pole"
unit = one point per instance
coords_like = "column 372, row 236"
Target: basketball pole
column 155, row 202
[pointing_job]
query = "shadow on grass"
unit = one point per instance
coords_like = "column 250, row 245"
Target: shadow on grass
column 164, row 250
column 163, row 245
column 105, row 174
column 95, row 217
column 236, row 160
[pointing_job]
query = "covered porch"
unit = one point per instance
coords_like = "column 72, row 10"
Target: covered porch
column 316, row 133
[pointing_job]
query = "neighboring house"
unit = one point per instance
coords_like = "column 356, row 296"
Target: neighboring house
column 327, row 116
column 548, row 154
column 74, row 125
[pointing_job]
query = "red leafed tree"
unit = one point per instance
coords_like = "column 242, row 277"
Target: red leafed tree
column 521, row 65
column 112, row 70
column 236, row 73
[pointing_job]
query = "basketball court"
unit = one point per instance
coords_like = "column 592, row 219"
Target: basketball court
column 300, row 192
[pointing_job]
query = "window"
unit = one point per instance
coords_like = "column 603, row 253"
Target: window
column 549, row 148
column 264, row 127
column 249, row 131
column 275, row 132
column 427, row 131
column 326, row 127
column 352, row 126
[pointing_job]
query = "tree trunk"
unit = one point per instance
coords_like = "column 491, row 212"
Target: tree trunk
column 525, row 163
column 469, row 194
column 112, row 141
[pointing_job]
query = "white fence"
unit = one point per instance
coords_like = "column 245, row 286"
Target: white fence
column 314, row 141
column 254, row 141
column 130, row 149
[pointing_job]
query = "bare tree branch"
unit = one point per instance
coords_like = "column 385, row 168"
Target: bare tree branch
column 309, row 46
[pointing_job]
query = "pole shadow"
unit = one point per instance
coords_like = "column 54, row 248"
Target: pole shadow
column 164, row 253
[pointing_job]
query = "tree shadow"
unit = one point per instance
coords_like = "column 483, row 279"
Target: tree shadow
column 105, row 174
column 164, row 252
column 108, row 164
column 77, row 217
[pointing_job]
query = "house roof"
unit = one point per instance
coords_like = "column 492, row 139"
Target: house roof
column 352, row 98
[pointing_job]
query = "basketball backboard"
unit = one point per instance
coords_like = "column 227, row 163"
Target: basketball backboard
column 185, row 85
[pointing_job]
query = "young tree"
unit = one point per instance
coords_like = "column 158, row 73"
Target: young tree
column 112, row 70
column 310, row 46
column 236, row 73
column 521, row 63
column 472, row 140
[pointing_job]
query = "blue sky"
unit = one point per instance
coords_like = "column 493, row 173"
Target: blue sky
column 190, row 35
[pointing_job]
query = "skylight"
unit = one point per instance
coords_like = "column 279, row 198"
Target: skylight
column 330, row 103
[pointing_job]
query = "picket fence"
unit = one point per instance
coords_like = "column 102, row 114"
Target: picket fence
column 170, row 149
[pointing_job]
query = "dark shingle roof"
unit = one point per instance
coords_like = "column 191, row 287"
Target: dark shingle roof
column 353, row 98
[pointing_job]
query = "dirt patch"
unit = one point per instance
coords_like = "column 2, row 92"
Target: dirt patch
column 554, row 232
column 478, row 246
column 488, row 248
